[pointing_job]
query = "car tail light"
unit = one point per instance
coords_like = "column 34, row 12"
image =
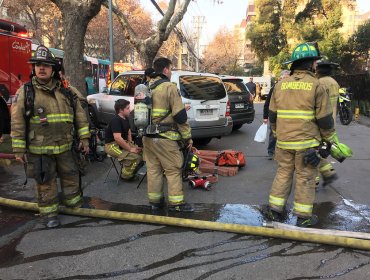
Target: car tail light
column 228, row 109
column 251, row 98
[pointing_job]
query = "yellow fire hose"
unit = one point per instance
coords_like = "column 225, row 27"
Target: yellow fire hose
column 290, row 234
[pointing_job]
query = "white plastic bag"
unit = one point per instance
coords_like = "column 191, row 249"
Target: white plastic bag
column 261, row 134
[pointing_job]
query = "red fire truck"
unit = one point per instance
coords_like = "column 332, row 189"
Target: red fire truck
column 15, row 51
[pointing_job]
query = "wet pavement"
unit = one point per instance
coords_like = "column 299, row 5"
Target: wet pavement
column 89, row 248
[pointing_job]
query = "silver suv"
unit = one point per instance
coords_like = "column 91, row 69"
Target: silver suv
column 204, row 94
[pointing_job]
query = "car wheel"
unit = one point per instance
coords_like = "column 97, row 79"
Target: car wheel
column 202, row 141
column 237, row 127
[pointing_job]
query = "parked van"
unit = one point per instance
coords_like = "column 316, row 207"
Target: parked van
column 203, row 93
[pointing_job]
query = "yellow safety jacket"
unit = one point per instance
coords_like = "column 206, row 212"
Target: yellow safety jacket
column 51, row 127
column 166, row 101
column 333, row 88
column 300, row 112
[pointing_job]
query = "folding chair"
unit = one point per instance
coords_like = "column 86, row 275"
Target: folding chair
column 113, row 165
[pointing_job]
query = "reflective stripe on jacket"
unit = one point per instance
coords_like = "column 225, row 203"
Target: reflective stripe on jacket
column 51, row 127
column 167, row 99
column 300, row 112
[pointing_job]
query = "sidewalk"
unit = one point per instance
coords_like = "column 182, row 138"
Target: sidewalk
column 364, row 120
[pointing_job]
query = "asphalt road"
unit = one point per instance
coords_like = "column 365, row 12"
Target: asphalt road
column 87, row 248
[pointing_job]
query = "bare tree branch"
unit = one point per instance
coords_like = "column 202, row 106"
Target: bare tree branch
column 176, row 18
column 163, row 23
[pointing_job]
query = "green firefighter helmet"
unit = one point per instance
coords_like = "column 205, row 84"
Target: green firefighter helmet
column 305, row 51
column 340, row 151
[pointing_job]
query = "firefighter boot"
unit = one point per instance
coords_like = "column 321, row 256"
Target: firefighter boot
column 273, row 215
column 307, row 221
column 157, row 206
column 185, row 207
column 52, row 222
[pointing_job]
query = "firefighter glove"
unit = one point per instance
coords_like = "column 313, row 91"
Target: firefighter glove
column 311, row 157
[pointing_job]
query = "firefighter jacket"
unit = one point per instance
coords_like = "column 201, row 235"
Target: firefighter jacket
column 300, row 112
column 167, row 102
column 53, row 123
column 333, row 88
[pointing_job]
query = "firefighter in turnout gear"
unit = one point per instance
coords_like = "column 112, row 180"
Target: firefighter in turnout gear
column 324, row 71
column 301, row 117
column 168, row 129
column 119, row 142
column 46, row 118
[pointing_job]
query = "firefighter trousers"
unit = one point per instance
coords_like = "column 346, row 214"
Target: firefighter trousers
column 130, row 162
column 164, row 155
column 290, row 161
column 326, row 169
column 45, row 169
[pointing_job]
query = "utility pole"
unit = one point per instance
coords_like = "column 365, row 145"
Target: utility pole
column 111, row 42
column 198, row 22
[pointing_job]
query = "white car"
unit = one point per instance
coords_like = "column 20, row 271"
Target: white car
column 204, row 94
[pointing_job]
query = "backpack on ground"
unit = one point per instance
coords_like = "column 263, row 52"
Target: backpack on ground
column 231, row 158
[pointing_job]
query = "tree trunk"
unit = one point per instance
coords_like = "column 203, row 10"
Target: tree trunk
column 76, row 16
column 149, row 51
column 74, row 28
column 148, row 56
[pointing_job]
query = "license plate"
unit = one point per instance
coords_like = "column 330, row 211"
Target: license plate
column 206, row 112
column 239, row 106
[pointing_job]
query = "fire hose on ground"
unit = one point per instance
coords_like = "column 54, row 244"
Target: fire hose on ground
column 358, row 241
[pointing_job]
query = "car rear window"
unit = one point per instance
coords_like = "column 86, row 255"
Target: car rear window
column 235, row 87
column 202, row 88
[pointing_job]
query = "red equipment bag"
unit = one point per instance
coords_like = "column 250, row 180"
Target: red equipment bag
column 231, row 158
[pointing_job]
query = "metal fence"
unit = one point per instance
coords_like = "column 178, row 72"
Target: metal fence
column 360, row 87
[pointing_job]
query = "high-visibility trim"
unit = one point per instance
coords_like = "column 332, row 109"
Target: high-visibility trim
column 117, row 150
column 297, row 145
column 186, row 135
column 277, row 201
column 73, row 201
column 159, row 112
column 326, row 167
column 155, row 197
column 171, row 135
column 334, row 97
column 53, row 118
column 50, row 149
column 332, row 138
column 83, row 131
column 303, row 208
column 295, row 114
column 176, row 199
column 45, row 210
column 129, row 170
column 18, row 143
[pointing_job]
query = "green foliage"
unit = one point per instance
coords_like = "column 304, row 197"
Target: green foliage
column 355, row 53
column 266, row 36
column 360, row 41
column 276, row 62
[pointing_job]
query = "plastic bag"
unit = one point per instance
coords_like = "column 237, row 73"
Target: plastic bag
column 261, row 134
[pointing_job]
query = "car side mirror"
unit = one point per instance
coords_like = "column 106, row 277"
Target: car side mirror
column 105, row 90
